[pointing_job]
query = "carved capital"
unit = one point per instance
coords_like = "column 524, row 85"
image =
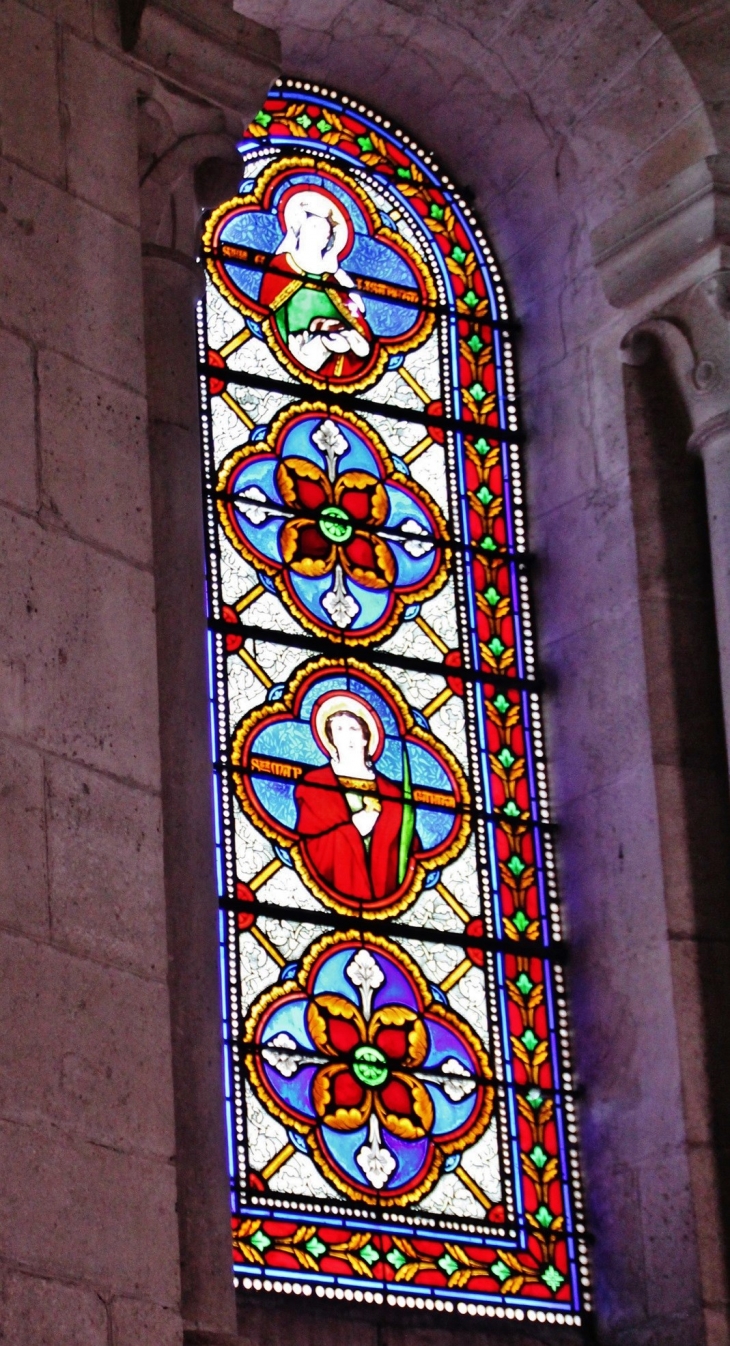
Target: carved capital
column 693, row 333
column 708, row 434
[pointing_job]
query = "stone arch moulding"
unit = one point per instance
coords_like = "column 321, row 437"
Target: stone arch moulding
column 389, row 915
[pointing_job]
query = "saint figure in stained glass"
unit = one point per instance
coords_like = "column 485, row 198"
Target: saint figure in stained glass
column 319, row 314
column 400, row 1105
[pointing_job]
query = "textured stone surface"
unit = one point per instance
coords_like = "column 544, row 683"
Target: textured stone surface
column 35, row 1311
column 139, row 1323
column 31, row 111
column 84, row 668
column 23, row 878
column 18, row 464
column 94, row 459
column 71, row 276
column 105, row 861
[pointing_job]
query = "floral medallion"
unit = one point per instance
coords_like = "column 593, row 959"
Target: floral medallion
column 382, row 1080
column 348, row 541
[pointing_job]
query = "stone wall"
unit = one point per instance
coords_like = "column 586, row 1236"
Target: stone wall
column 559, row 118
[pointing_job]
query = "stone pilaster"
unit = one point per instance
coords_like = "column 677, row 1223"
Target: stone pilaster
column 203, row 72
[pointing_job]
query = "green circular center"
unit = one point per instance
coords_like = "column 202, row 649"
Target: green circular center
column 369, row 1066
column 335, row 524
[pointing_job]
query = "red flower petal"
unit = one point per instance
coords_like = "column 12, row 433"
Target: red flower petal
column 396, row 1098
column 343, row 1036
column 347, row 1092
column 393, row 1042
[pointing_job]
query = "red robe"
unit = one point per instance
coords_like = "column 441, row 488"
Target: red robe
column 331, row 845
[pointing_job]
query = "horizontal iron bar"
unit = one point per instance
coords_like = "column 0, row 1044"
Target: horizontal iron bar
column 335, row 650
column 554, row 952
column 349, row 401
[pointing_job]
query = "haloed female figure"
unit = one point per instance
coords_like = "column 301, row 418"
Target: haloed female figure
column 357, row 831
column 317, row 311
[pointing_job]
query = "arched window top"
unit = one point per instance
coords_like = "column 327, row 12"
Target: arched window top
column 399, row 1101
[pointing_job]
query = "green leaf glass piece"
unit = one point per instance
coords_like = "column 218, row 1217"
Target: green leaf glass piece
column 366, row 144
column 501, row 703
column 304, row 121
column 534, row 1098
column 538, row 1156
column 448, row 1264
column 478, row 392
column 324, row 126
column 470, row 299
column 521, row 921
column 403, row 172
column 506, row 758
column 263, row 119
column 523, row 984
column 543, row 1217
column 496, row 646
column 516, row 865
column 510, row 809
column 260, row 1241
column 436, row 212
column 369, row 1254
column 492, row 596
column 481, row 445
column 552, row 1278
column 315, row 1246
column 396, row 1258
column 530, row 1040
column 499, row 1270
column 485, row 495
column 459, row 256
column 489, row 544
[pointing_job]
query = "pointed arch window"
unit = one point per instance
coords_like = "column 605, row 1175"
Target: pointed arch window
column 401, row 1122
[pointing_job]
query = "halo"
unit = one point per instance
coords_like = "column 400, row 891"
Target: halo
column 344, row 231
column 337, row 703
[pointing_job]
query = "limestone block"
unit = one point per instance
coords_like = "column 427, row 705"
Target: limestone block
column 581, row 543
column 599, row 713
column 85, row 1211
column 98, row 1041
column 613, row 36
column 94, row 457
column 101, row 96
column 79, row 639
column 72, row 277
column 18, row 467
column 35, row 1311
column 527, row 43
column 29, row 97
column 669, row 1236
column 106, row 881
column 23, row 881
column 560, row 453
column 654, row 95
column 77, row 15
column 138, row 1323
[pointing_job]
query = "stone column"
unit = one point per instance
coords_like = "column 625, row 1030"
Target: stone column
column 204, row 72
column 663, row 264
column 693, row 330
column 712, row 441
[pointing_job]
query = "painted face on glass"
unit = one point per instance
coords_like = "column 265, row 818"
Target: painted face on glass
column 349, row 737
column 314, row 239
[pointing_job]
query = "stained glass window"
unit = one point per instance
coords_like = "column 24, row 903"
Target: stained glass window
column 400, row 1109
